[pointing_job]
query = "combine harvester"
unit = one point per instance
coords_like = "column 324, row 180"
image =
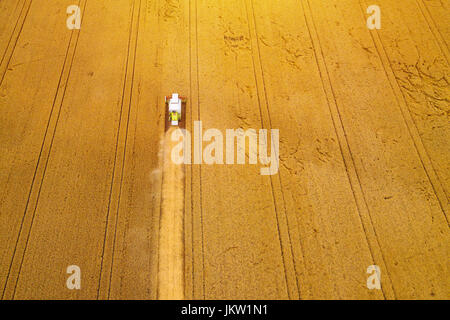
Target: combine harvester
column 176, row 113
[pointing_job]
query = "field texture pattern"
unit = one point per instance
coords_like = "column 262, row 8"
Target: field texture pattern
column 364, row 157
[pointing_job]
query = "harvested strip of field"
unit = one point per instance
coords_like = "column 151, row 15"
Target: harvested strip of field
column 171, row 228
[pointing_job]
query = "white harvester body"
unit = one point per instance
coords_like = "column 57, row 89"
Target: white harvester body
column 175, row 106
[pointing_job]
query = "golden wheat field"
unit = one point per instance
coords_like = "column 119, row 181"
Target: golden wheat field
column 361, row 177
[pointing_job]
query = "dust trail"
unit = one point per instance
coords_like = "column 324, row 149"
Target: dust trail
column 171, row 227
